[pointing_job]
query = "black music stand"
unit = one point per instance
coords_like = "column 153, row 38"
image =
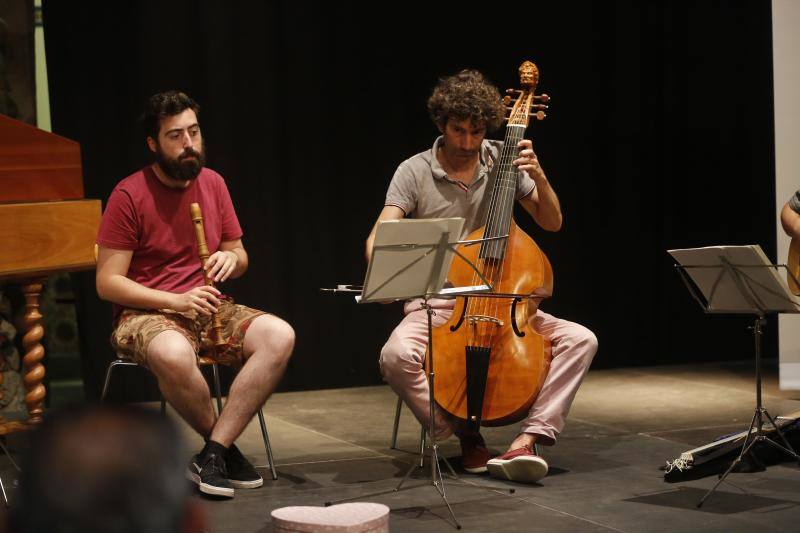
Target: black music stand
column 740, row 280
column 408, row 270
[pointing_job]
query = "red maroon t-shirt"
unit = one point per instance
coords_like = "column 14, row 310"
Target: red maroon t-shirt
column 153, row 220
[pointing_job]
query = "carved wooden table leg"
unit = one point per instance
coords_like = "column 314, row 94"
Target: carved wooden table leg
column 34, row 352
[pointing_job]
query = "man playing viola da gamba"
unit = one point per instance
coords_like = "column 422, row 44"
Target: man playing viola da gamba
column 450, row 180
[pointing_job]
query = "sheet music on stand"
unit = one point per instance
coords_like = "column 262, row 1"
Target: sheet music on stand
column 399, row 270
column 718, row 271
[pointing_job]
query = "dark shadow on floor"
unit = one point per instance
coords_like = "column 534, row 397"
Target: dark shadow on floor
column 720, row 502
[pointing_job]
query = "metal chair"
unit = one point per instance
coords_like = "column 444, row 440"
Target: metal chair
column 201, row 361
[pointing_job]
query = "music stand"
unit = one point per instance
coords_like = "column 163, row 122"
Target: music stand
column 411, row 259
column 740, row 280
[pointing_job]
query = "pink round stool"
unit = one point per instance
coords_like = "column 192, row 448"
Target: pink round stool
column 357, row 517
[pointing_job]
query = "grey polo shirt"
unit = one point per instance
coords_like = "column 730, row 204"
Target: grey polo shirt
column 422, row 189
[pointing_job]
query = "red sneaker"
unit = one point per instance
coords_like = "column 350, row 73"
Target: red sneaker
column 473, row 453
column 518, row 465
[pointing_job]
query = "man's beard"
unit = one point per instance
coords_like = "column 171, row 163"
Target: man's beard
column 186, row 166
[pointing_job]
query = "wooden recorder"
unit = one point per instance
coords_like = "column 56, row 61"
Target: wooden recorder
column 199, row 232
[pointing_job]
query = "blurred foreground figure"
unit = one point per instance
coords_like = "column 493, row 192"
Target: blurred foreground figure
column 102, row 469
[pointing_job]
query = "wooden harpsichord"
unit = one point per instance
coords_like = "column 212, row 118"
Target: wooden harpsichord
column 46, row 227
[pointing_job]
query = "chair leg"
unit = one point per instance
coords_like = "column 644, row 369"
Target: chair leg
column 396, row 423
column 111, row 366
column 422, row 446
column 217, row 388
column 2, row 486
column 107, row 381
column 8, row 454
column 115, row 363
column 267, row 446
column 397, row 426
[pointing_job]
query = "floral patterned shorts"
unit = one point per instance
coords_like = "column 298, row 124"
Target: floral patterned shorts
column 135, row 329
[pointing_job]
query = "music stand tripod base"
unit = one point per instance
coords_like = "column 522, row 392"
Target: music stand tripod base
column 739, row 280
column 406, row 270
column 436, row 478
column 756, row 431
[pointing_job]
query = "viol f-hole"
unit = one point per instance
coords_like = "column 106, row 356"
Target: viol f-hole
column 200, row 233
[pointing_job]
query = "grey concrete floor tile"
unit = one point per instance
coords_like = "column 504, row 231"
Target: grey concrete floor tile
column 604, row 470
column 644, row 402
column 291, row 443
column 736, row 374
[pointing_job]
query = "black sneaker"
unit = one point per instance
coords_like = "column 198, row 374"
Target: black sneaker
column 210, row 475
column 241, row 473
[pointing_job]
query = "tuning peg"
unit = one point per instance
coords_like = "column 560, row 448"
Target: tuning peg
column 507, row 100
column 542, row 97
column 512, row 91
column 539, row 115
column 540, row 106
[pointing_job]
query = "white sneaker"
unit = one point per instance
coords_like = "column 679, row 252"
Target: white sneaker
column 520, row 465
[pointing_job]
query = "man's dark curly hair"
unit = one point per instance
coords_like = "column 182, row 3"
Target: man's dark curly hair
column 466, row 95
column 163, row 105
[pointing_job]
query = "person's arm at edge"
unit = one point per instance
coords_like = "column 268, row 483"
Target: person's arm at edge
column 790, row 220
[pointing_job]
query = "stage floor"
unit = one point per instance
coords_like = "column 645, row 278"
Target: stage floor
column 624, row 424
column 604, row 471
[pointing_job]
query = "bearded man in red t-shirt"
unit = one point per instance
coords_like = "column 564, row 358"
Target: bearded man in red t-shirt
column 148, row 266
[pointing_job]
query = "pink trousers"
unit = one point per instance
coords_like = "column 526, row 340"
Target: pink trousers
column 403, row 355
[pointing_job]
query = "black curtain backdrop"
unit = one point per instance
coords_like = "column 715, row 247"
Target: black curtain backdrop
column 660, row 135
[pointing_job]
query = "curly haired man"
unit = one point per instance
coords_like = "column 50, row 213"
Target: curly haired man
column 450, row 180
